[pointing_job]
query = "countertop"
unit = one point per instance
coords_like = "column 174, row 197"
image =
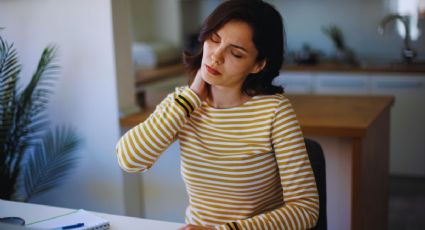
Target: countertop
column 345, row 116
column 146, row 76
column 334, row 67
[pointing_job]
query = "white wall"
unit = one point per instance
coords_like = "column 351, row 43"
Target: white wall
column 142, row 15
column 123, row 59
column 157, row 20
column 86, row 94
column 357, row 19
column 304, row 19
column 168, row 19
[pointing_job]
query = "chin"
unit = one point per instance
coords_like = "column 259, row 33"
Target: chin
column 209, row 81
column 208, row 78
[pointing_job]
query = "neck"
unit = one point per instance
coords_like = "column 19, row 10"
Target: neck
column 222, row 98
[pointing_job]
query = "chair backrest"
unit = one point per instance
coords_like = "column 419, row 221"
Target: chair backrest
column 317, row 160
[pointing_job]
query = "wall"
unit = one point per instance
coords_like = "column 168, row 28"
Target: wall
column 358, row 21
column 126, row 91
column 194, row 12
column 124, row 65
column 157, row 20
column 141, row 13
column 86, row 92
column 304, row 20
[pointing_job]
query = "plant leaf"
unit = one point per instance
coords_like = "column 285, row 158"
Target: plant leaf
column 9, row 71
column 49, row 163
column 30, row 118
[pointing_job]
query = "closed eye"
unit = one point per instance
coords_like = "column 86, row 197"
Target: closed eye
column 215, row 38
column 236, row 55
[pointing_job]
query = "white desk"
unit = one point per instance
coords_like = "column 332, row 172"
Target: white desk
column 35, row 212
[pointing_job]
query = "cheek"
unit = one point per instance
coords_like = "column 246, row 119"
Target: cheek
column 205, row 52
column 240, row 66
column 244, row 71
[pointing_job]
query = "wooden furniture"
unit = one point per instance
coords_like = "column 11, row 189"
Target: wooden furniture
column 407, row 114
column 145, row 77
column 356, row 127
column 354, row 134
column 337, row 67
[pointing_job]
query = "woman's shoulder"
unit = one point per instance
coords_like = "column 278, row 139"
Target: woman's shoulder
column 277, row 98
column 277, row 102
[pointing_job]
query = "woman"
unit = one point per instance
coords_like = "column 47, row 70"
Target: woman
column 243, row 157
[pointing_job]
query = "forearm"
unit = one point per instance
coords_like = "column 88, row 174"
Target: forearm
column 141, row 146
column 300, row 214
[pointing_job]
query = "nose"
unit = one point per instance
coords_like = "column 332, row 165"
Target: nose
column 217, row 56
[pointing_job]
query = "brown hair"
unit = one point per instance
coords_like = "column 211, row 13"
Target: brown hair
column 268, row 38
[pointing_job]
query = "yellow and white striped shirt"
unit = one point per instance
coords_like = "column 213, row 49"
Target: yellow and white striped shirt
column 244, row 167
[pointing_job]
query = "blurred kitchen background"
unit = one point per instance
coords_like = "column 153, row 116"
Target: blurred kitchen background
column 333, row 47
column 121, row 57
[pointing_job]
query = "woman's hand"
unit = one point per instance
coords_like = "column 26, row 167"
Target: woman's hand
column 195, row 227
column 199, row 86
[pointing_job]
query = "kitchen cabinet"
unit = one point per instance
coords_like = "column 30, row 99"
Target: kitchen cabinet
column 407, row 121
column 323, row 83
column 335, row 83
column 295, row 83
column 407, row 134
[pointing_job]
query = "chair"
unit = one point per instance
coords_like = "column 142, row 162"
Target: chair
column 317, row 160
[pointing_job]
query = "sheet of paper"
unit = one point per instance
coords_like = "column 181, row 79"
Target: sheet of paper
column 89, row 220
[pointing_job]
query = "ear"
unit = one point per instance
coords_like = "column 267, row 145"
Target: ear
column 259, row 66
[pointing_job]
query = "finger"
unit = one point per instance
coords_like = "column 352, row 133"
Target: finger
column 199, row 80
column 199, row 86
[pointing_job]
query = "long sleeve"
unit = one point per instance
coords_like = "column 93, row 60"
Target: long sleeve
column 301, row 203
column 139, row 148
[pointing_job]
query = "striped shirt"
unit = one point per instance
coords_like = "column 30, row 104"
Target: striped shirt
column 244, row 167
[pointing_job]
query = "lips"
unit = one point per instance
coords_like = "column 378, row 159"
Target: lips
column 212, row 70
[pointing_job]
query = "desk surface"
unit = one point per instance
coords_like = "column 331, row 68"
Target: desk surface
column 341, row 116
column 35, row 212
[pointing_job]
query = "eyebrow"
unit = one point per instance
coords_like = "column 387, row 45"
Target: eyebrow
column 233, row 45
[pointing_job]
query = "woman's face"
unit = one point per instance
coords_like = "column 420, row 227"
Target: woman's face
column 229, row 55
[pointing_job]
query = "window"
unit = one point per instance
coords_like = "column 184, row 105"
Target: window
column 413, row 8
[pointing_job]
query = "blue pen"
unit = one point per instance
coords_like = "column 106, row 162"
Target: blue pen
column 72, row 226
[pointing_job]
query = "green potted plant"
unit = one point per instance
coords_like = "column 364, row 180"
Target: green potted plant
column 342, row 52
column 35, row 155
